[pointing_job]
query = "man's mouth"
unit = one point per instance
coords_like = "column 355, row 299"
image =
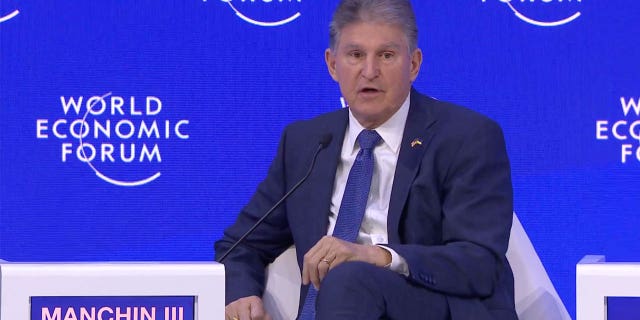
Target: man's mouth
column 369, row 90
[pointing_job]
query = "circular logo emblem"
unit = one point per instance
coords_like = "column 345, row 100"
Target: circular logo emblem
column 122, row 128
column 9, row 16
column 545, row 13
column 266, row 13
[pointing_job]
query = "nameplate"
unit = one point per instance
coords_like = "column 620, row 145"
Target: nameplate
column 113, row 308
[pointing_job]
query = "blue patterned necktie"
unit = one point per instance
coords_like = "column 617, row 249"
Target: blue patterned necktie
column 352, row 208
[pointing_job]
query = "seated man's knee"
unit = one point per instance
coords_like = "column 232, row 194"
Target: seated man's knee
column 351, row 291
column 350, row 276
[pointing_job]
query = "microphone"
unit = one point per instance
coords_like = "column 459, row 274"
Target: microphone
column 324, row 141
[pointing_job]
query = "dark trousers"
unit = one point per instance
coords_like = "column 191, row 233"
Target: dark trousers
column 358, row 290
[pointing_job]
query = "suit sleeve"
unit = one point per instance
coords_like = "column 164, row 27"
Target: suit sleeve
column 476, row 201
column 245, row 266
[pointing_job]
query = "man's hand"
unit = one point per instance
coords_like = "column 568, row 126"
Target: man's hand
column 330, row 252
column 247, row 308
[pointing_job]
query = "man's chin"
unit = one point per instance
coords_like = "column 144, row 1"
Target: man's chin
column 368, row 119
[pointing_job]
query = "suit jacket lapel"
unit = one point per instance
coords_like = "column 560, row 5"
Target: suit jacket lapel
column 324, row 175
column 415, row 141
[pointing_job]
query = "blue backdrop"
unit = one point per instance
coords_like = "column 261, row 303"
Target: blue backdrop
column 197, row 92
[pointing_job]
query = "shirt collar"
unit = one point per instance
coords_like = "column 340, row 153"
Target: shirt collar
column 390, row 131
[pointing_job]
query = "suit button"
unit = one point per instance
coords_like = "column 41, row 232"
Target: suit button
column 427, row 279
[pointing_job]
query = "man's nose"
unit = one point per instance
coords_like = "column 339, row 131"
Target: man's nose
column 370, row 68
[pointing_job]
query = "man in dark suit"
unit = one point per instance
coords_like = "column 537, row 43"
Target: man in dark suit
column 407, row 212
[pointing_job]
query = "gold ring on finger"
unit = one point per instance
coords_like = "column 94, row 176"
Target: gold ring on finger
column 325, row 260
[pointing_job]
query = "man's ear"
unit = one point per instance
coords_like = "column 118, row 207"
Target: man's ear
column 330, row 59
column 416, row 62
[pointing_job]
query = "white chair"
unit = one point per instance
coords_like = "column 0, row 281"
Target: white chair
column 535, row 296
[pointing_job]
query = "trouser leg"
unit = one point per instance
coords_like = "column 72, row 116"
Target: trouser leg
column 358, row 290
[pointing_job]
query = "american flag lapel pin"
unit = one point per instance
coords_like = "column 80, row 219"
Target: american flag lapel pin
column 416, row 142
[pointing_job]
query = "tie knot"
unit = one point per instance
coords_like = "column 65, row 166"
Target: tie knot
column 368, row 139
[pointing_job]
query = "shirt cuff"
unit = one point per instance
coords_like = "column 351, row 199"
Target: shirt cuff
column 398, row 263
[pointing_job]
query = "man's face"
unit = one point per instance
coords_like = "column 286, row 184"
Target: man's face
column 374, row 68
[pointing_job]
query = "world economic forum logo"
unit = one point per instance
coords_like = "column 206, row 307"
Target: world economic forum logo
column 624, row 130
column 266, row 13
column 544, row 13
column 119, row 138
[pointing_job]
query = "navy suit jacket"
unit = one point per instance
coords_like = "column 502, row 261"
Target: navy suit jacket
column 449, row 215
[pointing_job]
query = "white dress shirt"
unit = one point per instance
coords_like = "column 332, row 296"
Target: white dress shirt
column 373, row 230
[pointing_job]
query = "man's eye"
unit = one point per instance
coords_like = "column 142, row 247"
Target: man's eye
column 387, row 55
column 355, row 54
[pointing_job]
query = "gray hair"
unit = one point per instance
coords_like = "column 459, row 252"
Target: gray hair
column 395, row 12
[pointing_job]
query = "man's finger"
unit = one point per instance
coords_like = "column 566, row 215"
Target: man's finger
column 311, row 260
column 231, row 310
column 311, row 271
column 244, row 308
column 244, row 311
column 257, row 310
column 323, row 268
